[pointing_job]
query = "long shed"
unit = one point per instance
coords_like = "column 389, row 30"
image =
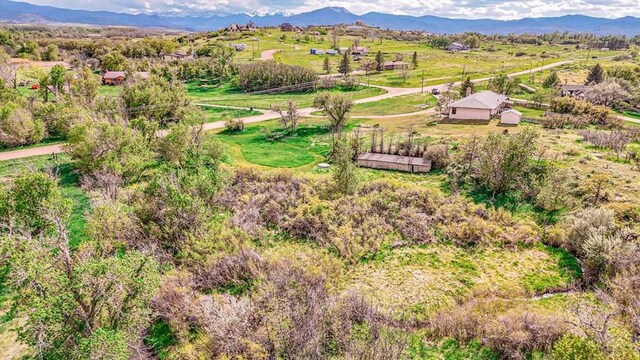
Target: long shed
column 394, row 162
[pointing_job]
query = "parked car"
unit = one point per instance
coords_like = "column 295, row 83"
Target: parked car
column 435, row 91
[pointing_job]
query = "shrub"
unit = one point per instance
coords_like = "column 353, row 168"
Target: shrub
column 560, row 121
column 265, row 75
column 439, row 155
column 578, row 226
column 614, row 140
column 234, row 125
column 596, row 114
column 572, row 347
column 499, row 326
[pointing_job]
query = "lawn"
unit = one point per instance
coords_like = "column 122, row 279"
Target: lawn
column 267, row 145
column 226, row 95
column 530, row 113
column 220, row 113
column 397, row 105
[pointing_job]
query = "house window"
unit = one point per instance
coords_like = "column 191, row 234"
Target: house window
column 453, row 111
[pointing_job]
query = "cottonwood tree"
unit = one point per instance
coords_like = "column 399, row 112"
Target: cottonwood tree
column 503, row 84
column 77, row 303
column 289, row 115
column 103, row 147
column 86, row 86
column 336, row 107
column 156, row 99
column 414, row 59
column 8, row 74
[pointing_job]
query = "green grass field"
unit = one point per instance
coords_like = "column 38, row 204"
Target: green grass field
column 397, row 105
column 220, row 113
column 267, row 145
column 227, row 96
column 530, row 113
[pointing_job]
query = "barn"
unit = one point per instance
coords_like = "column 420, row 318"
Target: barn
column 394, row 162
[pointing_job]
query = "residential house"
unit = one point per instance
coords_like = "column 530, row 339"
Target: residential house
column 113, row 77
column 456, row 47
column 395, row 65
column 360, row 23
column 286, row 27
column 234, row 28
column 359, row 50
column 510, row 117
column 577, row 91
column 479, row 106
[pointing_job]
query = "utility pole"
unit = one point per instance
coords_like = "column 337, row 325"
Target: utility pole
column 422, row 91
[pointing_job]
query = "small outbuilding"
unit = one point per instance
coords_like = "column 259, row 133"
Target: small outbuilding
column 395, row 65
column 394, row 162
column 510, row 117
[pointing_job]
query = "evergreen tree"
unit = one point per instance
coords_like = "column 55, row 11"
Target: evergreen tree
column 379, row 61
column 345, row 64
column 326, row 65
column 466, row 84
column 414, row 60
column 596, row 75
column 551, row 81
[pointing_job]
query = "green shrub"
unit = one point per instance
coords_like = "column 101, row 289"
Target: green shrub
column 572, row 347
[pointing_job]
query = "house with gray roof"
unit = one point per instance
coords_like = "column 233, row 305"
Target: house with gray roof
column 483, row 105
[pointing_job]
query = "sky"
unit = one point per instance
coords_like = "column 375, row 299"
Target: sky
column 470, row 9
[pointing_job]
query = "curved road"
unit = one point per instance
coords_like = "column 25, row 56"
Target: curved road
column 270, row 115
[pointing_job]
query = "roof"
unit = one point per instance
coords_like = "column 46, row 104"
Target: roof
column 114, row 74
column 512, row 111
column 482, row 100
column 395, row 159
column 574, row 87
column 395, row 63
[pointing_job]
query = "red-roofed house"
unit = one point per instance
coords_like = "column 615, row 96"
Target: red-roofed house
column 114, row 77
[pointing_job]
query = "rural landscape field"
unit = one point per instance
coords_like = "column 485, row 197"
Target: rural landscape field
column 317, row 189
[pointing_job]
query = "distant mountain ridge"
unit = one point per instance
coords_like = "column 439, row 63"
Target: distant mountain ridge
column 19, row 12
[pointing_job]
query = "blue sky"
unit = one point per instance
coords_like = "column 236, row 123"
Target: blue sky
column 496, row 9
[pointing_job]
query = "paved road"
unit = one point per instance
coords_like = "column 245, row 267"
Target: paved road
column 270, row 115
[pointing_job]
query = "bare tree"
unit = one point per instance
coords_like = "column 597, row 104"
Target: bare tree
column 289, row 116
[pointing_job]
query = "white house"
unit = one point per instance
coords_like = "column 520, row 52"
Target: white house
column 479, row 106
column 510, row 117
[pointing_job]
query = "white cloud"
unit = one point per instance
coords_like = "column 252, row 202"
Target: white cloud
column 472, row 9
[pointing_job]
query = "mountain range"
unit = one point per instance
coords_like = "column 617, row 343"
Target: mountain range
column 19, row 12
